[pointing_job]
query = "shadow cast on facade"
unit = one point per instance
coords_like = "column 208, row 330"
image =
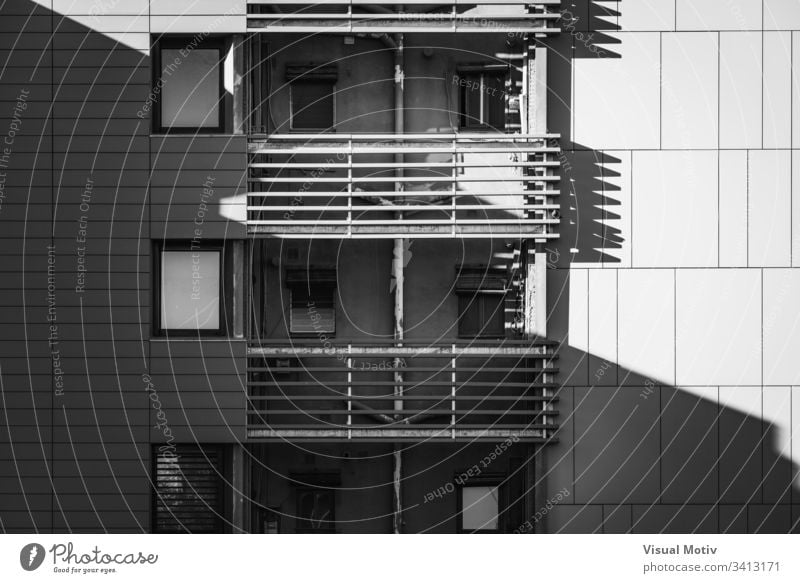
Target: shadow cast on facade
column 637, row 454
column 590, row 228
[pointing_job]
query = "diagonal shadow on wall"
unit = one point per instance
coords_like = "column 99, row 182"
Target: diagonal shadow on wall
column 636, row 453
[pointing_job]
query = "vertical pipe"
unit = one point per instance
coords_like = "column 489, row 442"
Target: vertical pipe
column 238, row 487
column 239, row 89
column 538, row 483
column 399, row 88
column 239, row 306
column 399, row 280
column 398, row 272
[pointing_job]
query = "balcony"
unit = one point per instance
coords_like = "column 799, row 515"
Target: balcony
column 480, row 185
column 361, row 16
column 433, row 392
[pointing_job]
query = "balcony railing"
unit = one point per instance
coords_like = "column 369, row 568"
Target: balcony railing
column 465, row 391
column 362, row 16
column 409, row 185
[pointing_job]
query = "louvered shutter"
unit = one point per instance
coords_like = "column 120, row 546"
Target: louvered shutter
column 189, row 493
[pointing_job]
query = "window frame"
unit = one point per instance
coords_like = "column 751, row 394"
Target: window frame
column 465, row 122
column 303, row 81
column 489, row 481
column 185, row 246
column 181, row 42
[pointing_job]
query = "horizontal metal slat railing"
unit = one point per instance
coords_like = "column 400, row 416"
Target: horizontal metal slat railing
column 360, row 16
column 449, row 392
column 449, row 185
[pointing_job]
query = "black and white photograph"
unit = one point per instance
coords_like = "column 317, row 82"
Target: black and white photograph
column 399, row 268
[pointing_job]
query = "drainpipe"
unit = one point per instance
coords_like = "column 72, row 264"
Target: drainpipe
column 395, row 42
column 398, row 272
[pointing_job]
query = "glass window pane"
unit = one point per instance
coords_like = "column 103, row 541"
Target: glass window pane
column 190, row 290
column 190, row 95
column 315, row 509
column 480, row 508
column 483, row 100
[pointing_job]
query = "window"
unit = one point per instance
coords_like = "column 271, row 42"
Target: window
column 311, row 96
column 312, row 310
column 480, row 508
column 481, row 316
column 483, row 99
column 192, row 284
column 190, row 290
column 481, row 302
column 189, row 489
column 316, row 510
column 189, row 88
column 312, row 297
column 265, row 520
column 311, row 105
column 315, row 501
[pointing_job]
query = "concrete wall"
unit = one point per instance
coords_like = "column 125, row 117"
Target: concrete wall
column 364, row 296
column 676, row 290
column 364, row 98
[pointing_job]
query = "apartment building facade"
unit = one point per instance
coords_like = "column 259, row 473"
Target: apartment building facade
column 397, row 267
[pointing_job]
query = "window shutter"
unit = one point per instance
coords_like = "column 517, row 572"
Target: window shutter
column 481, row 301
column 310, row 315
column 312, row 309
column 312, row 104
column 494, row 317
column 469, row 319
column 189, row 492
column 312, row 72
column 480, row 279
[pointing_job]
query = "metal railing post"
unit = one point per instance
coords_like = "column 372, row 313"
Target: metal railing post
column 350, row 188
column 349, row 391
column 453, row 392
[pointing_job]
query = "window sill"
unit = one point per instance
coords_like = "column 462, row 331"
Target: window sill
column 196, row 339
column 198, row 135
